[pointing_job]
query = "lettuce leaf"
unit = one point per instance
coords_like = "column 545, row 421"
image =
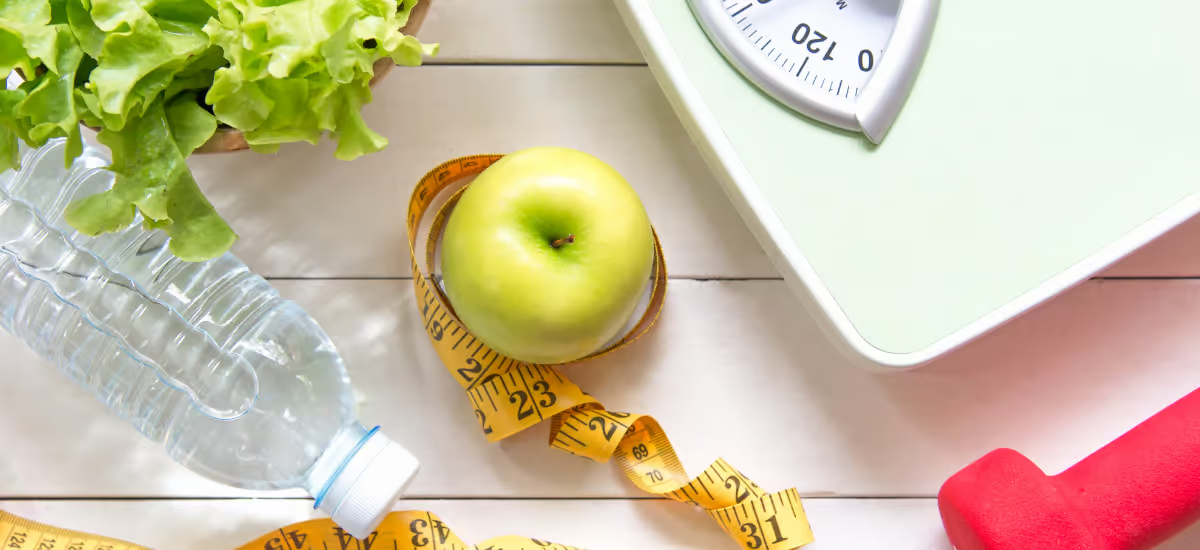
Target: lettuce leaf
column 8, row 150
column 90, row 37
column 159, row 77
column 49, row 108
column 302, row 67
column 43, row 107
column 139, row 58
column 355, row 138
column 11, row 127
column 153, row 178
column 190, row 124
column 25, row 36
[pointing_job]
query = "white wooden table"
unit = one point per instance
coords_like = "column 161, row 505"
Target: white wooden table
column 735, row 368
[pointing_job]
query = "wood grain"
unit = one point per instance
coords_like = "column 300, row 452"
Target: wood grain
column 733, row 370
column 301, row 213
column 839, row 524
column 530, row 31
column 596, row 525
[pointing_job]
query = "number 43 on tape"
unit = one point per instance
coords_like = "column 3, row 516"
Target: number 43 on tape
column 509, row 396
column 412, row 530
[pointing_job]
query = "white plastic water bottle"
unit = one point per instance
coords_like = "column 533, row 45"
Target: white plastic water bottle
column 238, row 384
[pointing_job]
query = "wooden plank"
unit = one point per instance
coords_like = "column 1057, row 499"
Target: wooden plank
column 839, row 524
column 297, row 209
column 529, row 31
column 597, row 525
column 590, row 31
column 302, row 213
column 734, row 370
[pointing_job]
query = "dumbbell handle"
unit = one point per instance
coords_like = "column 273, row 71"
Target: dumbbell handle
column 1143, row 487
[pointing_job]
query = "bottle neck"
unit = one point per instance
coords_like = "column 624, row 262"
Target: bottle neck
column 337, row 455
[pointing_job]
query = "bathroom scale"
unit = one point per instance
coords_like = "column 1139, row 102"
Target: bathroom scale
column 922, row 171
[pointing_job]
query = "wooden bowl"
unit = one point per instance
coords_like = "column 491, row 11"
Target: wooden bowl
column 228, row 140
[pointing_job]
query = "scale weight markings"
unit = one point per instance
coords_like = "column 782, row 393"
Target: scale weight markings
column 826, row 58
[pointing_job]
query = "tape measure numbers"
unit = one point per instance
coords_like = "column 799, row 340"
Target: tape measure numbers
column 18, row 533
column 399, row 531
column 509, row 396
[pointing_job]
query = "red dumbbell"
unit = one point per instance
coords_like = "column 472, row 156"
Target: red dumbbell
column 1133, row 494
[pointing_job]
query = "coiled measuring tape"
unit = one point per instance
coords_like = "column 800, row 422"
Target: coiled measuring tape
column 509, row 396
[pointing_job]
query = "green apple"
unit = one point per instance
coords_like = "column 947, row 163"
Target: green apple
column 547, row 255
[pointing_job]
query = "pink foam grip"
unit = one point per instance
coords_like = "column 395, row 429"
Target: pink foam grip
column 1132, row 494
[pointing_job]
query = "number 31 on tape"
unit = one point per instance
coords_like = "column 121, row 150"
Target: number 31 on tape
column 509, row 396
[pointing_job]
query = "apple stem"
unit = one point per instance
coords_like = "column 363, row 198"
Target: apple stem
column 569, row 239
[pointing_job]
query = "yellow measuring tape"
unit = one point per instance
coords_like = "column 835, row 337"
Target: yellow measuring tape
column 21, row 534
column 399, row 531
column 509, row 396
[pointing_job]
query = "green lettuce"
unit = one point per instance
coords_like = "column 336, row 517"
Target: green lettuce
column 26, row 35
column 148, row 153
column 160, row 77
column 299, row 68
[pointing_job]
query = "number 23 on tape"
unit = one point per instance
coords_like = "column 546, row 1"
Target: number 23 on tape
column 509, row 396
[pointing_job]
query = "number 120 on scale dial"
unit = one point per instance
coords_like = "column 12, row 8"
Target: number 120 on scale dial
column 830, row 45
column 819, row 56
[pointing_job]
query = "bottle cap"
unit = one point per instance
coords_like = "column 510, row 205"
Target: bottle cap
column 369, row 484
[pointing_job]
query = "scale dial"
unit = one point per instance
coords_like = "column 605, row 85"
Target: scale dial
column 847, row 63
